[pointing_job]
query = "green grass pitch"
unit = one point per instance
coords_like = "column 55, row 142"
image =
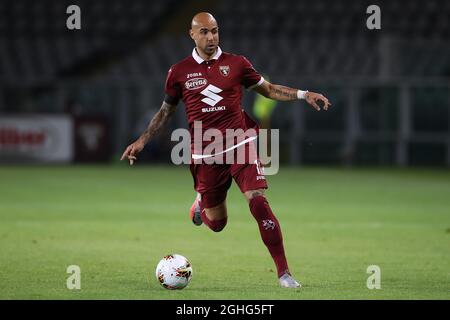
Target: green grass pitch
column 117, row 222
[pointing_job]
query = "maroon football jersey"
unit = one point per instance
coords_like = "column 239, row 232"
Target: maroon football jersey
column 212, row 90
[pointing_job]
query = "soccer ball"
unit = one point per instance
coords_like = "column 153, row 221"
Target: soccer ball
column 174, row 272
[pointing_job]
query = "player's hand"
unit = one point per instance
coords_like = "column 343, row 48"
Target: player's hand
column 312, row 98
column 132, row 150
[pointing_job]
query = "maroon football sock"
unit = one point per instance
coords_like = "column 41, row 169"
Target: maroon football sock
column 270, row 231
column 214, row 225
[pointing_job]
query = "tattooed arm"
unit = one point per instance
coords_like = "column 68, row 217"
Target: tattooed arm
column 159, row 120
column 282, row 93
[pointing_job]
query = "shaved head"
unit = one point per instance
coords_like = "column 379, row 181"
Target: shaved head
column 205, row 33
column 203, row 18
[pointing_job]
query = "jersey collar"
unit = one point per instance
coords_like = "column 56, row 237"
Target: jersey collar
column 200, row 60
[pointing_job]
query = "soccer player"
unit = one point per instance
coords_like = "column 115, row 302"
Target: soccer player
column 209, row 82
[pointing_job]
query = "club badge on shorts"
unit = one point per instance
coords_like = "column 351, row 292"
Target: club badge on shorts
column 224, row 70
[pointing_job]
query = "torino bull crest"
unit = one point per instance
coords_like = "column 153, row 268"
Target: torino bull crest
column 224, row 70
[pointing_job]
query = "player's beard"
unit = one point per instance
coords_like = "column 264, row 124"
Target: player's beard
column 210, row 49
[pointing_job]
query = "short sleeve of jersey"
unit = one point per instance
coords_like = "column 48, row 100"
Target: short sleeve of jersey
column 250, row 77
column 172, row 88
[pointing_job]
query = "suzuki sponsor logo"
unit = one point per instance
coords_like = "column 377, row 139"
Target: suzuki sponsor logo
column 195, row 83
column 212, row 98
column 212, row 109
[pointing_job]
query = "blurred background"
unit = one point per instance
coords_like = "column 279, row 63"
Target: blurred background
column 365, row 183
column 77, row 96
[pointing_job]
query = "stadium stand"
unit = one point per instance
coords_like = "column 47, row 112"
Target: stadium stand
column 119, row 60
column 36, row 44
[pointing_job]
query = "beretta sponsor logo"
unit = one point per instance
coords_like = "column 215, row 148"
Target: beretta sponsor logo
column 195, row 83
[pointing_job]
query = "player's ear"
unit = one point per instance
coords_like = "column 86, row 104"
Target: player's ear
column 191, row 34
